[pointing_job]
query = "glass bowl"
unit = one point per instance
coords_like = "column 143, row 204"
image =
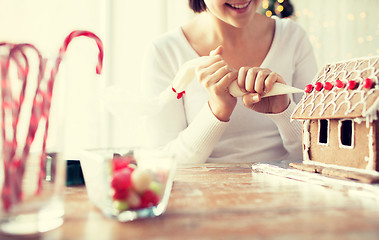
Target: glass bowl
column 127, row 184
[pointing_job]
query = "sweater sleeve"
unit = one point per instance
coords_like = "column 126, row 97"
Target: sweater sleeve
column 168, row 130
column 290, row 131
column 195, row 143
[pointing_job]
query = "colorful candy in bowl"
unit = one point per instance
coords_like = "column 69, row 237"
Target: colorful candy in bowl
column 126, row 184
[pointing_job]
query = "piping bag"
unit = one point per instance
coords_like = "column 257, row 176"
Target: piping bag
column 121, row 101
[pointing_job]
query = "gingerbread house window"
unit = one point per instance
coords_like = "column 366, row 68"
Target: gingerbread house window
column 323, row 132
column 346, row 133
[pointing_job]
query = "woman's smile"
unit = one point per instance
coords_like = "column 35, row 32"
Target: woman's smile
column 240, row 7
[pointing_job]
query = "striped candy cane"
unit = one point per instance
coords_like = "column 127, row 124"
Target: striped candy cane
column 54, row 72
column 14, row 166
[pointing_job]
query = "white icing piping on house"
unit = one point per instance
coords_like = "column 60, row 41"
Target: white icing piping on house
column 370, row 159
column 306, row 140
column 344, row 76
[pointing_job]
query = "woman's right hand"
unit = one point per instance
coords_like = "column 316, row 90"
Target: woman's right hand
column 216, row 76
column 258, row 81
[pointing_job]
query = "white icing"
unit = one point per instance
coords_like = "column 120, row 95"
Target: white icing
column 185, row 75
column 370, row 159
column 359, row 120
column 306, row 140
column 337, row 99
column 371, row 112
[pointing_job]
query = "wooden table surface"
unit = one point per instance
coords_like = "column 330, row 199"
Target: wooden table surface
column 230, row 201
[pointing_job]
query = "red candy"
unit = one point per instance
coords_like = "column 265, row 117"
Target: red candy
column 149, row 199
column 328, row 86
column 121, row 194
column 122, row 179
column 318, row 86
column 352, row 84
column 339, row 83
column 308, row 88
column 368, row 83
column 120, row 163
column 124, row 185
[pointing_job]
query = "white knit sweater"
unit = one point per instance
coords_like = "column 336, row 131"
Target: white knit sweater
column 187, row 128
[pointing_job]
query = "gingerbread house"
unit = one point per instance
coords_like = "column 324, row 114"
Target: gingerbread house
column 339, row 112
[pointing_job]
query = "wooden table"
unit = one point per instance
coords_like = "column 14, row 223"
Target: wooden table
column 229, row 201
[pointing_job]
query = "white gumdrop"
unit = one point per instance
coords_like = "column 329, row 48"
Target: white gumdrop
column 141, row 180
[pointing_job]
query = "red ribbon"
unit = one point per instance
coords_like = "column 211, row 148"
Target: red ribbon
column 179, row 95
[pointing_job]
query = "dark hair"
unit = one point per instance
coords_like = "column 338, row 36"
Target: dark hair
column 197, row 6
column 288, row 9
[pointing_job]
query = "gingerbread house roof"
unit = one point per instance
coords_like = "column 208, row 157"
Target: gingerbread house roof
column 348, row 89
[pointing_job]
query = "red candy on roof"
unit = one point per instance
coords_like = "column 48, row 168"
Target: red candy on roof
column 352, row 84
column 353, row 92
column 368, row 83
column 308, row 88
column 328, row 86
column 339, row 83
column 318, row 86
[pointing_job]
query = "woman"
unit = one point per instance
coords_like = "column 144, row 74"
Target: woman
column 234, row 43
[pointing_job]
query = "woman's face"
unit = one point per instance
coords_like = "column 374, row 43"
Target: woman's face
column 237, row 13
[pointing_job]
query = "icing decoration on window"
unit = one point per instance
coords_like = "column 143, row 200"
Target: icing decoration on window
column 351, row 84
column 368, row 83
column 308, row 88
column 328, row 86
column 339, row 83
column 318, row 86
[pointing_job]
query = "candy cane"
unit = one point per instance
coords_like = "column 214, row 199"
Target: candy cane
column 14, row 166
column 36, row 114
column 55, row 69
column 10, row 106
column 6, row 193
column 18, row 165
column 54, row 72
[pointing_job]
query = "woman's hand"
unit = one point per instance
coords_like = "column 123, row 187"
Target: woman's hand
column 256, row 82
column 216, row 76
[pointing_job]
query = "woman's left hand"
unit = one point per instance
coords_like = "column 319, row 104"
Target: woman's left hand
column 256, row 82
